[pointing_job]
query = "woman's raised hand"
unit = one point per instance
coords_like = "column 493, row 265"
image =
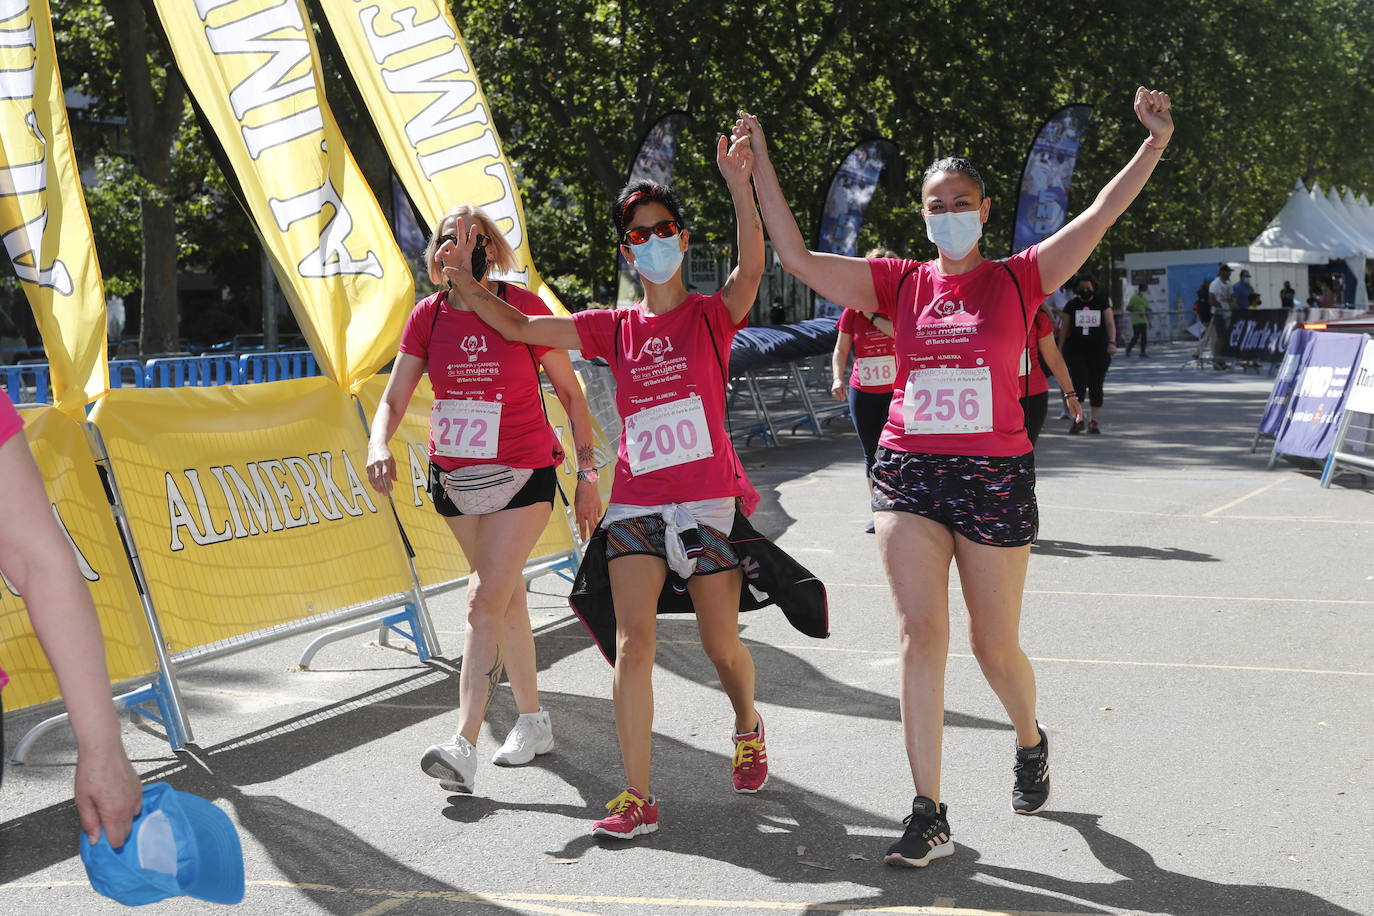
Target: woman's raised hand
column 1152, row 108
column 457, row 255
column 735, row 159
column 748, row 126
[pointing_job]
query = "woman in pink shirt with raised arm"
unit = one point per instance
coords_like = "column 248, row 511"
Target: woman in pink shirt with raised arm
column 954, row 478
column 677, row 477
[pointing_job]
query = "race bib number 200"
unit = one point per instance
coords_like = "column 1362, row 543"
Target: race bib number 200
column 948, row 401
column 667, row 435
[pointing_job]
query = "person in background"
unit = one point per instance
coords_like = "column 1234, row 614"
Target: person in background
column 1086, row 341
column 1242, row 291
column 1325, row 299
column 777, row 314
column 1042, row 358
column 1219, row 291
column 1286, row 295
column 1138, row 308
column 869, row 387
column 37, row 559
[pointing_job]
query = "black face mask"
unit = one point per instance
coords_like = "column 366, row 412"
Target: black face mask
column 479, row 263
column 1085, row 294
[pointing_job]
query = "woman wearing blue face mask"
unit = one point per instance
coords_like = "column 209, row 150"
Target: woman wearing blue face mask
column 954, row 478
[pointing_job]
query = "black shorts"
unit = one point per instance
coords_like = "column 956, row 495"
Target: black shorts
column 987, row 500
column 538, row 489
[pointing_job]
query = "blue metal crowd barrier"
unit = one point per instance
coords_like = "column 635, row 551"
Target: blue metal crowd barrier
column 273, row 367
column 191, row 371
column 19, row 379
column 32, row 383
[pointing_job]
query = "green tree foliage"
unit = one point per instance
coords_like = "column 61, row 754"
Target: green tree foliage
column 1265, row 91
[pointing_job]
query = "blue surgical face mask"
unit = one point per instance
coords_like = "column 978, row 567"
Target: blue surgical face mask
column 955, row 234
column 657, row 259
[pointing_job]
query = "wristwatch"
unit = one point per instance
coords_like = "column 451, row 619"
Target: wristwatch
column 590, row 475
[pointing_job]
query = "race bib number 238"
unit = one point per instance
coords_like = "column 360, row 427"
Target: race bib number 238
column 948, row 401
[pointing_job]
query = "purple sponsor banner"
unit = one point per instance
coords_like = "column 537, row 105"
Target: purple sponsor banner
column 1309, row 429
column 654, row 162
column 851, row 191
column 409, row 235
column 1285, row 380
column 1043, row 204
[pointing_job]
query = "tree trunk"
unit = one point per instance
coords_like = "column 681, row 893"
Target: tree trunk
column 153, row 125
column 158, row 329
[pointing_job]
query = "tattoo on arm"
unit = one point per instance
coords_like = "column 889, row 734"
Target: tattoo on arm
column 586, row 456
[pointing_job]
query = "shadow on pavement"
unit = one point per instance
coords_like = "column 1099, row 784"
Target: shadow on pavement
column 1070, row 549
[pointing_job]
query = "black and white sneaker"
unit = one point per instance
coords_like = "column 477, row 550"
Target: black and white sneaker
column 1031, row 793
column 926, row 837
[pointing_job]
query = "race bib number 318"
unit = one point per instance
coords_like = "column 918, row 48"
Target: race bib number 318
column 948, row 401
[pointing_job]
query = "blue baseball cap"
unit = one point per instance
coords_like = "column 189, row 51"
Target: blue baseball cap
column 180, row 844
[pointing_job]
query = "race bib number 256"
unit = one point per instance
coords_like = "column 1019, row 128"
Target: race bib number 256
column 948, row 401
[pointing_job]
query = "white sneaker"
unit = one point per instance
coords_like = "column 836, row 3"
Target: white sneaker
column 453, row 763
column 532, row 735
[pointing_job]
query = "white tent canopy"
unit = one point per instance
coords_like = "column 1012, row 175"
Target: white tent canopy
column 1310, row 220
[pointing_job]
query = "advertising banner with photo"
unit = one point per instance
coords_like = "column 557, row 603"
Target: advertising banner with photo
column 851, row 191
column 415, row 76
column 1042, row 206
column 254, row 73
column 654, row 162
column 1309, row 429
column 43, row 218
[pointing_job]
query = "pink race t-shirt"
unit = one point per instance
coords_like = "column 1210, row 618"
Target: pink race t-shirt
column 468, row 361
column 875, row 363
column 1040, row 327
column 670, row 389
column 10, row 426
column 960, row 342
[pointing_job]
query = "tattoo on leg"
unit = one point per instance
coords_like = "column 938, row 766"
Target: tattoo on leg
column 494, row 675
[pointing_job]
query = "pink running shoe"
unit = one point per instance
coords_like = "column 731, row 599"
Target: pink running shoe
column 751, row 761
column 631, row 815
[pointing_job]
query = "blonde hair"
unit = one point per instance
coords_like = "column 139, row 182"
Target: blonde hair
column 881, row 252
column 500, row 255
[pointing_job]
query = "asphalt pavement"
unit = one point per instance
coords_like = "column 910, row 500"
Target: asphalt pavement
column 1201, row 630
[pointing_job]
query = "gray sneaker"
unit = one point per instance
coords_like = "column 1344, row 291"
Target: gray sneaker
column 532, row 735
column 453, row 763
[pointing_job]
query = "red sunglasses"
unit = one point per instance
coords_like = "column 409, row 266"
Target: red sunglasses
column 638, row 235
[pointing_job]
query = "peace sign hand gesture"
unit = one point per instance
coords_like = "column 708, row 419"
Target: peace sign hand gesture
column 1152, row 108
column 735, row 160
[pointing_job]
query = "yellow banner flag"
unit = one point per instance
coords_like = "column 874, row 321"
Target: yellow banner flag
column 254, row 71
column 42, row 211
column 416, row 77
column 58, row 444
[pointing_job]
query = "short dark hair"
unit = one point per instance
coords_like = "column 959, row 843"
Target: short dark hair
column 639, row 192
column 955, row 164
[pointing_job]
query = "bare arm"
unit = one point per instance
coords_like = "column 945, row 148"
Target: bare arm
column 742, row 286
column 555, row 331
column 587, row 502
column 1109, row 319
column 1055, row 360
column 836, row 277
column 36, row 557
column 1062, row 254
column 400, row 388
column 884, row 324
column 838, row 359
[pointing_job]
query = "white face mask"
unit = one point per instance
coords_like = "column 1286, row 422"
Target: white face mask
column 658, row 258
column 955, row 234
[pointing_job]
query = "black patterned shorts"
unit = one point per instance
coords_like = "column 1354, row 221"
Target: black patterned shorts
column 645, row 534
column 987, row 500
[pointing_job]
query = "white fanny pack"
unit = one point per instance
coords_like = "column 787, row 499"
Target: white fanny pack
column 480, row 489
